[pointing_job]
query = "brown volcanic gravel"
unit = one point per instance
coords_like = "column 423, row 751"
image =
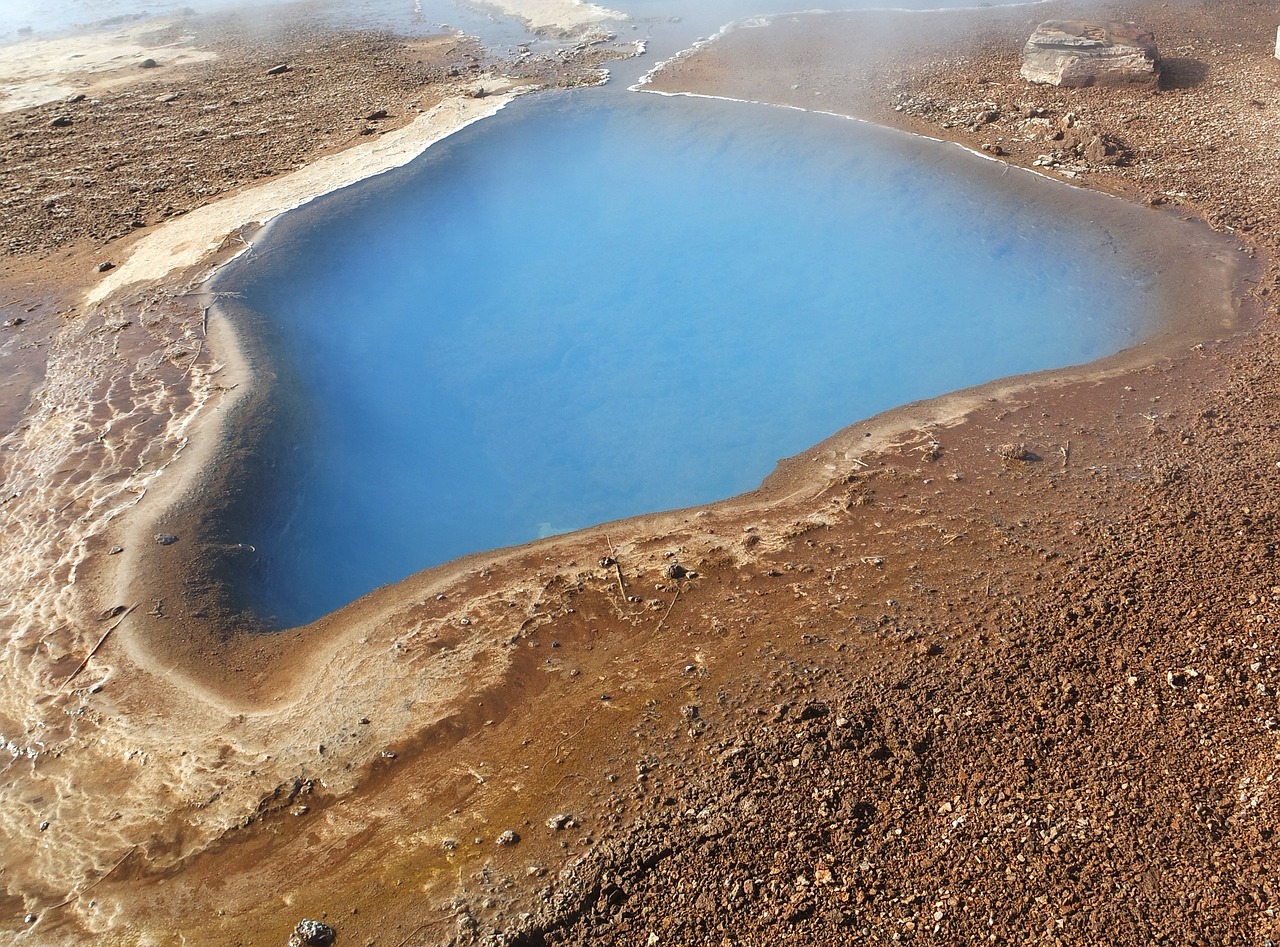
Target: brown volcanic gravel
column 1049, row 713
column 72, row 195
column 968, row 694
column 134, row 157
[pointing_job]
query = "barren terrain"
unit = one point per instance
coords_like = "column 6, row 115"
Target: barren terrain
column 999, row 668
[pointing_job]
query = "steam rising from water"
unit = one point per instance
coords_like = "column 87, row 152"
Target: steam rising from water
column 171, row 767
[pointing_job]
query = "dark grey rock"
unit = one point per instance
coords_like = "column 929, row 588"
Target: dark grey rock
column 311, row 933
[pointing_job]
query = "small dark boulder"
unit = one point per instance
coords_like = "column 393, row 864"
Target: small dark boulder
column 148, row 64
column 278, row 70
column 311, row 933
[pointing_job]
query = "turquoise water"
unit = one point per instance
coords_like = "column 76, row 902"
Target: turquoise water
column 581, row 310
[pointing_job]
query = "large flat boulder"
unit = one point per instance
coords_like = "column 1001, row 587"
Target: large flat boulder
column 1075, row 53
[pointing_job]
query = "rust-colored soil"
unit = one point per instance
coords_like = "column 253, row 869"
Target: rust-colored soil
column 1009, row 680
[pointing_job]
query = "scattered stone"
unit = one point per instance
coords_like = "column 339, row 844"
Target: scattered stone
column 376, row 115
column 311, row 933
column 509, row 837
column 449, row 844
column 1103, row 149
column 14, row 322
column 73, row 99
column 676, row 571
column 105, row 265
column 607, row 562
column 60, row 121
column 29, row 918
column 814, row 711
column 561, row 820
column 168, row 97
column 115, row 550
column 279, row 70
column 1077, row 53
column 1014, row 452
column 166, row 539
column 148, row 64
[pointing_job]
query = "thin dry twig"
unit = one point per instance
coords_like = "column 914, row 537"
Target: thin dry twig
column 101, row 641
column 667, row 613
column 101, row 878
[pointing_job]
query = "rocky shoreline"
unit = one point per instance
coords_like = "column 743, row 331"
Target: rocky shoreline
column 1007, row 677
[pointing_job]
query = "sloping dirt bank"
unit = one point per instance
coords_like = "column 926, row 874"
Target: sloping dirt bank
column 1003, row 671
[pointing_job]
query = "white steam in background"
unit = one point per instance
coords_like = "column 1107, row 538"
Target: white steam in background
column 43, row 17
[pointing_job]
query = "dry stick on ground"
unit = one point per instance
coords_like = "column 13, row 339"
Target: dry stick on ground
column 411, row 934
column 667, row 614
column 89, row 657
column 569, row 737
column 101, row 878
column 614, row 556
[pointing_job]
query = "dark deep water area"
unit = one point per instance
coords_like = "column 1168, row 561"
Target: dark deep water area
column 587, row 308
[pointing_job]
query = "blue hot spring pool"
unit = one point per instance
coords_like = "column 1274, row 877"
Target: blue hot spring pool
column 588, row 308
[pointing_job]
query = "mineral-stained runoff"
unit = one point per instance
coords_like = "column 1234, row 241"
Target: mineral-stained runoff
column 999, row 667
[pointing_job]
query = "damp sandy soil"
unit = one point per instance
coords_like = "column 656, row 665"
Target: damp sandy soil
column 995, row 668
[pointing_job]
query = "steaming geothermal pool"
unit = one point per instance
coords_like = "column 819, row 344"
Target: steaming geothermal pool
column 582, row 309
